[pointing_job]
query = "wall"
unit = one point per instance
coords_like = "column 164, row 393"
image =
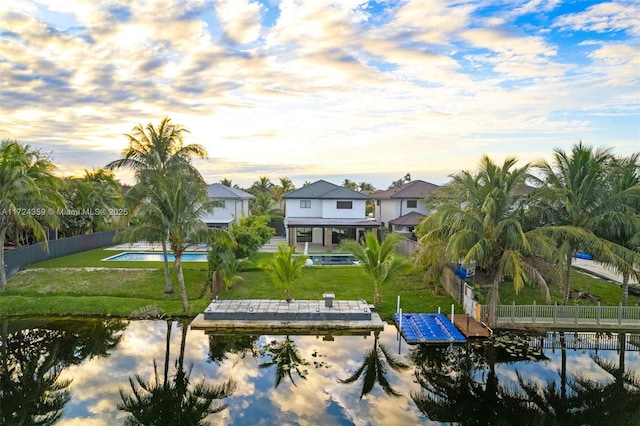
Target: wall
column 16, row 259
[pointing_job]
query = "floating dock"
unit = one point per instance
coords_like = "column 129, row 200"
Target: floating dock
column 267, row 315
column 469, row 326
column 428, row 328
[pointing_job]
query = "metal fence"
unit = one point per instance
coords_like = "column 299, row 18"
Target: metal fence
column 567, row 315
column 16, row 259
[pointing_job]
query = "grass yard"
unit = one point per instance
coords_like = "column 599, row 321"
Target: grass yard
column 79, row 285
column 83, row 284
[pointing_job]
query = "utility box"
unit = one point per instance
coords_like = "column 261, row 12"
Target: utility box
column 328, row 299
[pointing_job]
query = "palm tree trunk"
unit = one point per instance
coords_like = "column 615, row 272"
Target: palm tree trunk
column 625, row 289
column 3, row 274
column 494, row 299
column 377, row 299
column 168, row 289
column 183, row 289
column 166, row 355
column 567, row 277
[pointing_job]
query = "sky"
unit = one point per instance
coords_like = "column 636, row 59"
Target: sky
column 320, row 89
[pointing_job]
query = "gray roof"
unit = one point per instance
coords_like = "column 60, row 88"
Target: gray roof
column 219, row 191
column 416, row 189
column 322, row 189
column 409, row 219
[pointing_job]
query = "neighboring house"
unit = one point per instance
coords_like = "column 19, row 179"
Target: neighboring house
column 324, row 213
column 400, row 209
column 231, row 205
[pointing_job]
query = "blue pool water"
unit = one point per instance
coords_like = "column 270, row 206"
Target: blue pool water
column 333, row 259
column 143, row 256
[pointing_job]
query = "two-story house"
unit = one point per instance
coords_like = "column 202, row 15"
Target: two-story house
column 231, row 205
column 400, row 209
column 323, row 213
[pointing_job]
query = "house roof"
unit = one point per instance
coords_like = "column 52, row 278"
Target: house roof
column 322, row 189
column 220, row 191
column 416, row 189
column 409, row 219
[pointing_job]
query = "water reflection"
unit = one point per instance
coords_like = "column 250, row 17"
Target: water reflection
column 173, row 400
column 33, row 355
column 375, row 369
column 105, row 372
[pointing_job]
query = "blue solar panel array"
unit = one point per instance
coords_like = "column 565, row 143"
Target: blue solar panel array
column 429, row 328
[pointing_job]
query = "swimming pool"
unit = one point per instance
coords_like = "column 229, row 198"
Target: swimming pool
column 147, row 256
column 333, row 259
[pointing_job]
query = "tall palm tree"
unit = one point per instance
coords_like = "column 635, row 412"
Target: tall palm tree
column 157, row 152
column 380, row 262
column 179, row 203
column 619, row 221
column 284, row 268
column 375, row 368
column 263, row 205
column 477, row 219
column 574, row 196
column 29, row 194
column 262, row 186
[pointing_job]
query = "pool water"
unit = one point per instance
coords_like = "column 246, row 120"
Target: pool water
column 144, row 256
column 333, row 259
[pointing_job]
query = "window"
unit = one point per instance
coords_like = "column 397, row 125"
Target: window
column 344, row 205
column 304, row 235
column 412, row 204
column 305, row 204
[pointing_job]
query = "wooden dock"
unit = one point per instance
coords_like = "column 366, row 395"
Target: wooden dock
column 469, row 326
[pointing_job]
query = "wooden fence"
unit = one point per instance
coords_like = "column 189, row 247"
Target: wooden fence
column 567, row 316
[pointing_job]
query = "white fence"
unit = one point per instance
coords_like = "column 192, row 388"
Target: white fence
column 567, row 316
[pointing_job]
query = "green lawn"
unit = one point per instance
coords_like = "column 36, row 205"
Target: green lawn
column 47, row 288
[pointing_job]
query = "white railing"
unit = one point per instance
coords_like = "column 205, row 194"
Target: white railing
column 566, row 315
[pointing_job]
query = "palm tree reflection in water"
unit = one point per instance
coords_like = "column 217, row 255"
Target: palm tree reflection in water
column 173, row 400
column 375, row 367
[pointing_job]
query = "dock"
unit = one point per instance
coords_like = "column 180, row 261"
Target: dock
column 469, row 326
column 326, row 316
column 428, row 328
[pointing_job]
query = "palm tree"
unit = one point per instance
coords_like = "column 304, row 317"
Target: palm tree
column 231, row 266
column 263, row 205
column 262, row 186
column 284, row 268
column 29, row 194
column 574, row 196
column 348, row 183
column 374, row 369
column 153, row 152
column 620, row 221
column 379, row 260
column 477, row 219
column 179, row 204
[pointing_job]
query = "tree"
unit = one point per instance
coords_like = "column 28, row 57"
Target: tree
column 283, row 268
column 262, row 186
column 348, row 183
column 286, row 358
column 366, row 186
column 264, row 205
column 573, row 196
column 620, row 221
column 93, row 201
column 179, row 203
column 29, row 194
column 379, row 260
column 156, row 152
column 477, row 219
column 398, row 183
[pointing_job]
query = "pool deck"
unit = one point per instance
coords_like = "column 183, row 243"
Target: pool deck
column 310, row 316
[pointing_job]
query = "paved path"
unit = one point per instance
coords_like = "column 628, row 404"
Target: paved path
column 599, row 270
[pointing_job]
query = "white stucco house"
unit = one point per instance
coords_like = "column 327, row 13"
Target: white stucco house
column 400, row 209
column 324, row 213
column 231, row 205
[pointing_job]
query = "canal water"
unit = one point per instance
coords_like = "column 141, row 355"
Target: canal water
column 104, row 372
